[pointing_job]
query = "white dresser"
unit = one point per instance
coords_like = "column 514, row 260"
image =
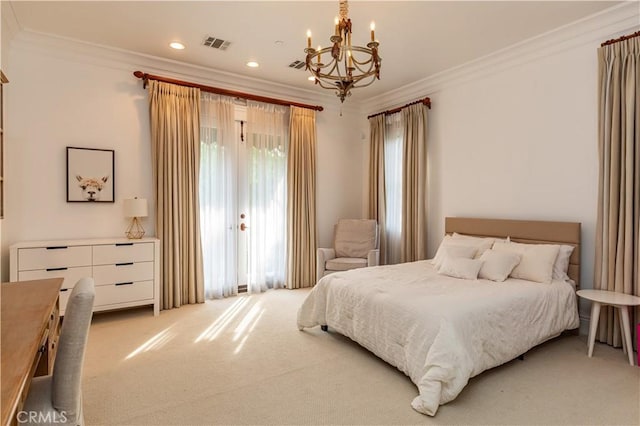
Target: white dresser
column 126, row 272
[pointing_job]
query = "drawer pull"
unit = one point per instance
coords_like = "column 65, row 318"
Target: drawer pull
column 124, row 264
column 127, row 283
column 123, row 244
column 57, row 269
column 42, row 349
column 57, row 247
column 64, row 289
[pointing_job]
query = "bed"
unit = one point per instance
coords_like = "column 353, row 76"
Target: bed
column 440, row 330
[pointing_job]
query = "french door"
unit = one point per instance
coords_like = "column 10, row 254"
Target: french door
column 242, row 214
column 242, row 225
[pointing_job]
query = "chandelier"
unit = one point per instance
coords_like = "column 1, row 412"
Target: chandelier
column 348, row 67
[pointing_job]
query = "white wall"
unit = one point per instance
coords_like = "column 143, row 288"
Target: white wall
column 521, row 144
column 56, row 103
column 63, row 98
column 339, row 173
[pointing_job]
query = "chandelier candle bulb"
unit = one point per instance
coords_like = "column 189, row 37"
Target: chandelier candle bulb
column 319, row 53
column 337, row 26
column 309, row 38
column 373, row 30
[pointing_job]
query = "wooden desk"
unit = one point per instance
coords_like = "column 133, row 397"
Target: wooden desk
column 30, row 329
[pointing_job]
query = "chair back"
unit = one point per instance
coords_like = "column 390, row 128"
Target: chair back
column 355, row 237
column 67, row 370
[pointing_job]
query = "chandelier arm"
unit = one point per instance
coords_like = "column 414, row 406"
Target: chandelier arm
column 364, row 70
column 365, row 85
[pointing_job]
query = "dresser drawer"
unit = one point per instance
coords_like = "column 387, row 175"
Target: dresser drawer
column 53, row 257
column 70, row 275
column 122, row 253
column 112, row 294
column 122, row 272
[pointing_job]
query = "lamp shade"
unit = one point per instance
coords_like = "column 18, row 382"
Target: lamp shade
column 135, row 207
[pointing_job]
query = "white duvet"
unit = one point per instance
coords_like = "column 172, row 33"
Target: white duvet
column 438, row 330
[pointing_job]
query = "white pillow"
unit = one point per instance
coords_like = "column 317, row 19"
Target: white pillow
column 438, row 257
column 497, row 265
column 480, row 243
column 459, row 267
column 448, row 251
column 561, row 266
column 536, row 263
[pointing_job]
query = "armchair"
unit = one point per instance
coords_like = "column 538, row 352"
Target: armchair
column 355, row 245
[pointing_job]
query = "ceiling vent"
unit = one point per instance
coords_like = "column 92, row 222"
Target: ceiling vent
column 216, row 43
column 297, row 65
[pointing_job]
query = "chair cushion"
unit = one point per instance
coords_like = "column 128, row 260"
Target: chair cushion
column 355, row 237
column 345, row 263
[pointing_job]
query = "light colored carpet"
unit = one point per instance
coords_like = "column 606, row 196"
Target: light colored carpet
column 243, row 361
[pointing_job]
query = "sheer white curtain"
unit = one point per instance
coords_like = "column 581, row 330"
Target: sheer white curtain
column 267, row 143
column 218, row 190
column 393, row 185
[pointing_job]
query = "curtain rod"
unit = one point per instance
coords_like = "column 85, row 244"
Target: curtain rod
column 145, row 77
column 425, row 101
column 623, row 38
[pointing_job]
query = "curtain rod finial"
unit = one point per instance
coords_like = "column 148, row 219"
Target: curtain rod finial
column 143, row 76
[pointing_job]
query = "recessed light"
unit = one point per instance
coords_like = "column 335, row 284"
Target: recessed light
column 176, row 45
column 253, row 64
column 279, row 42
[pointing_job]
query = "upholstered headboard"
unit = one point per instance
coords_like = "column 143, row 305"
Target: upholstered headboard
column 524, row 231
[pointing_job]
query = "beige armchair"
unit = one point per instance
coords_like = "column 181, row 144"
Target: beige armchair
column 57, row 399
column 355, row 245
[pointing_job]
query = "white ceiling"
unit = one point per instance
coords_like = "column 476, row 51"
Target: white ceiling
column 417, row 38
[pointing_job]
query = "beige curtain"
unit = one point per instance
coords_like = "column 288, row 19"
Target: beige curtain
column 618, row 225
column 377, row 201
column 414, row 184
column 301, row 199
column 175, row 149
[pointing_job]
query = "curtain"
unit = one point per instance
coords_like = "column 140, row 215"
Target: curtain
column 218, row 188
column 618, row 218
column 393, row 149
column 175, row 151
column 414, row 183
column 377, row 202
column 301, row 208
column 267, row 144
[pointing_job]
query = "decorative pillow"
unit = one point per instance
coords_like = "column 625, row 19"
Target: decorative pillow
column 449, row 251
column 482, row 243
column 561, row 266
column 536, row 263
column 459, row 267
column 438, row 257
column 497, row 265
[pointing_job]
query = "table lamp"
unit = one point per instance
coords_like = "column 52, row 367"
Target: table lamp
column 135, row 208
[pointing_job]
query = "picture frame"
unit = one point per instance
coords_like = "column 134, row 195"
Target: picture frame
column 90, row 175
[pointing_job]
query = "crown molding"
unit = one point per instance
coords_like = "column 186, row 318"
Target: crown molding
column 10, row 25
column 74, row 50
column 594, row 29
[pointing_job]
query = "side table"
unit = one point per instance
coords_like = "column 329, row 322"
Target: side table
column 620, row 301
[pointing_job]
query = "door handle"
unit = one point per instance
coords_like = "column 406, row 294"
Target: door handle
column 243, row 227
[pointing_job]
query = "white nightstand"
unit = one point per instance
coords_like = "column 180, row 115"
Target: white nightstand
column 619, row 300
